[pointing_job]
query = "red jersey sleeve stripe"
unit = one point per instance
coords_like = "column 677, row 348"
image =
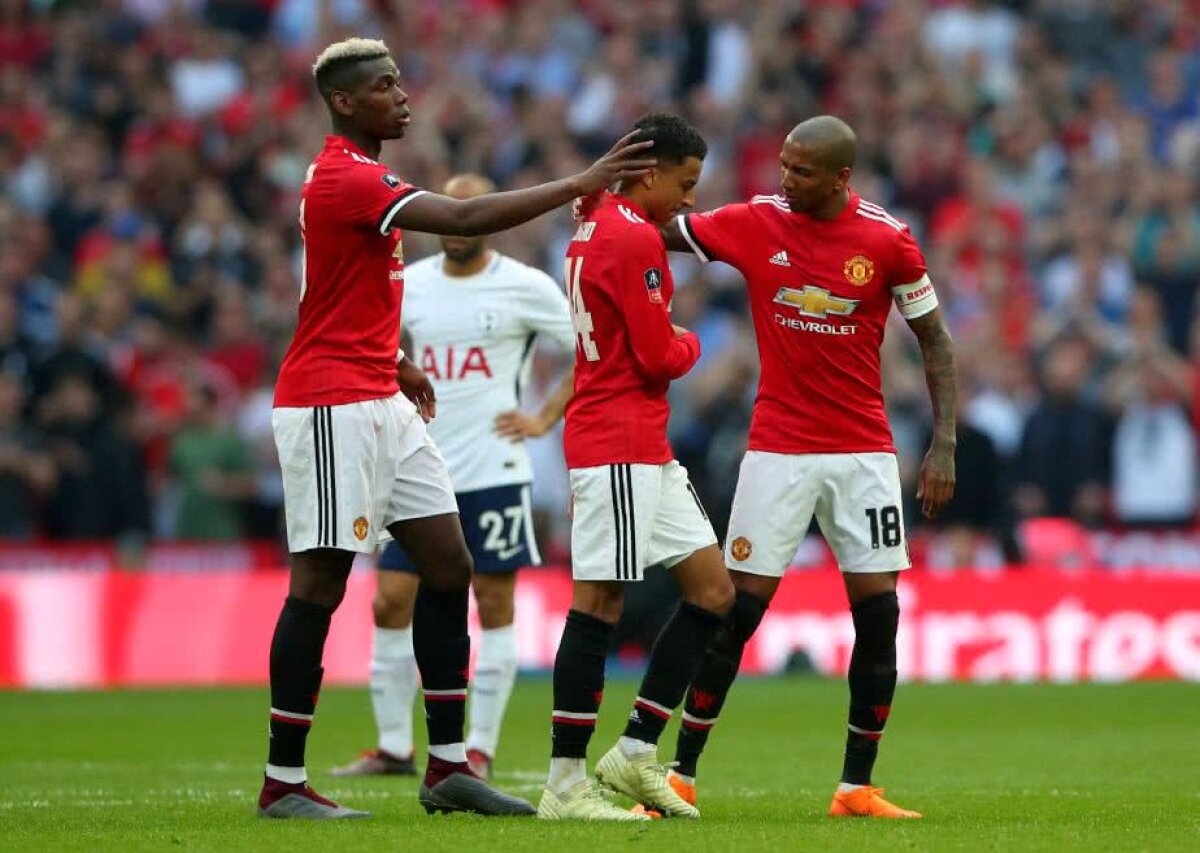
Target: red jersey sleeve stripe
column 685, row 228
column 389, row 213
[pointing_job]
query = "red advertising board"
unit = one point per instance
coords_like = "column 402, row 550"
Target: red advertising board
column 85, row 629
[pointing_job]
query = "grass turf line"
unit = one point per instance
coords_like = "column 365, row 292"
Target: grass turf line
column 998, row 767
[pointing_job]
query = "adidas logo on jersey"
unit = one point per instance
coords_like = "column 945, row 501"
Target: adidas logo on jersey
column 780, row 259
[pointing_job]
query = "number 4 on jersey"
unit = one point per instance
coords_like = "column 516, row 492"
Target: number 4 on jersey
column 581, row 318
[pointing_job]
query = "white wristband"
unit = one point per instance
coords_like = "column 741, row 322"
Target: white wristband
column 400, row 355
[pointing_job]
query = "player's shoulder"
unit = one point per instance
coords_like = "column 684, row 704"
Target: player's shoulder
column 522, row 282
column 348, row 166
column 424, row 276
column 343, row 157
column 617, row 216
column 763, row 205
column 757, row 207
column 875, row 218
column 633, row 230
column 510, row 268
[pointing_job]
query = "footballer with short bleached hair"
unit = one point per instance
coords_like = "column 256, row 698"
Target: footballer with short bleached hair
column 349, row 422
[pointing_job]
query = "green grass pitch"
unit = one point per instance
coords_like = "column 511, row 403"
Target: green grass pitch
column 1089, row 768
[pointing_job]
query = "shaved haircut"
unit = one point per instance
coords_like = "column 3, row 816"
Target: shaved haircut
column 467, row 185
column 834, row 140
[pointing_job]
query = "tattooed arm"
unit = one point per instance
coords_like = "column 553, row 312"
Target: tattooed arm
column 936, row 486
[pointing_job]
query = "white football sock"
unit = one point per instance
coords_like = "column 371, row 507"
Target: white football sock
column 495, row 672
column 291, row 775
column 565, row 773
column 632, row 747
column 394, row 682
column 454, row 752
column 847, row 787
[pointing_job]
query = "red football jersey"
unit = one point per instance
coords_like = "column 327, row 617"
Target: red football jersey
column 344, row 349
column 626, row 352
column 820, row 293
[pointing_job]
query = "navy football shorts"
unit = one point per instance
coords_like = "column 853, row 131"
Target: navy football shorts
column 498, row 527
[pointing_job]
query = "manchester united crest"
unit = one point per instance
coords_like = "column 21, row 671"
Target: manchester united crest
column 740, row 549
column 859, row 270
column 360, row 528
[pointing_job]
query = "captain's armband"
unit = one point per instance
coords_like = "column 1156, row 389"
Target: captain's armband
column 916, row 299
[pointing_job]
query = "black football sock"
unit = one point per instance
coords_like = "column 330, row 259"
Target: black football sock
column 872, row 678
column 710, row 687
column 443, row 652
column 296, row 672
column 673, row 661
column 578, row 683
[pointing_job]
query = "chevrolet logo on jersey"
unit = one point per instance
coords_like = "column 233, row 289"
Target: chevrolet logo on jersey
column 816, row 302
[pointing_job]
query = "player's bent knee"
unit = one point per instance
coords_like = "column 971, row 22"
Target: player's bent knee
column 391, row 611
column 448, row 577
column 320, row 576
column 761, row 587
column 494, row 595
column 599, row 599
column 704, row 581
column 715, row 597
column 861, row 586
column 744, row 617
column 450, row 572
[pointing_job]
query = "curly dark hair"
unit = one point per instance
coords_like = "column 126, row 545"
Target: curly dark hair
column 674, row 139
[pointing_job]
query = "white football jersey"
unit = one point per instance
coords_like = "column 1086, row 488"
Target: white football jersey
column 473, row 337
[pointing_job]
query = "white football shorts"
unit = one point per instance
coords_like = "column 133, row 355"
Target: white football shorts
column 630, row 516
column 351, row 470
column 855, row 498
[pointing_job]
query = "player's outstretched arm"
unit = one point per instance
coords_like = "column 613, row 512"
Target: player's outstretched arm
column 487, row 214
column 673, row 237
column 672, row 234
column 936, row 484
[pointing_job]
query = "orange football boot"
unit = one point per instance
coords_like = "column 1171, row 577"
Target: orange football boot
column 686, row 790
column 653, row 814
column 866, row 802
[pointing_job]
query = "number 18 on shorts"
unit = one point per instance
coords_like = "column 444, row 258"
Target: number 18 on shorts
column 855, row 498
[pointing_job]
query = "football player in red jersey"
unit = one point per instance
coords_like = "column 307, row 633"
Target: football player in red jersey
column 349, row 419
column 633, row 505
column 823, row 268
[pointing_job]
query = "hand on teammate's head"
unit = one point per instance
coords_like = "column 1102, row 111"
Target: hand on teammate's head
column 626, row 160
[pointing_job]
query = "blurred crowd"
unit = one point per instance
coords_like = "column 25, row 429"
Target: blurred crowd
column 1045, row 153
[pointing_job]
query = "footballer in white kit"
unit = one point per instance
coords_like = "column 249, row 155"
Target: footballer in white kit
column 473, row 336
column 471, row 316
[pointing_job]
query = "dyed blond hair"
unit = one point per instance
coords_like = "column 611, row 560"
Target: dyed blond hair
column 327, row 70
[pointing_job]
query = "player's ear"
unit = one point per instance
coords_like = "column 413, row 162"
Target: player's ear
column 651, row 178
column 341, row 102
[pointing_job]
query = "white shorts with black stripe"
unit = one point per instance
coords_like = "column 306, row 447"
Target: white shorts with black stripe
column 351, row 470
column 627, row 517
